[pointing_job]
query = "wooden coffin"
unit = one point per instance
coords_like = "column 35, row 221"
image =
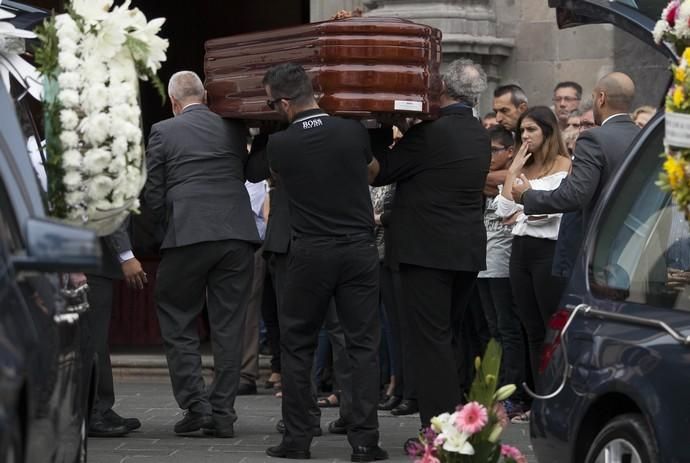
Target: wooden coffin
column 360, row 67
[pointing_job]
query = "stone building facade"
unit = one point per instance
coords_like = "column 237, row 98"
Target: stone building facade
column 518, row 41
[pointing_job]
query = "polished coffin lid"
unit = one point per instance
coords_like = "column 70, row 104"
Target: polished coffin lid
column 360, row 67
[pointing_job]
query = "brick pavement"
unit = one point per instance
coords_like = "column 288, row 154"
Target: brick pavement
column 150, row 399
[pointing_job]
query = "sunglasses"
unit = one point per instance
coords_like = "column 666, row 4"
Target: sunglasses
column 272, row 103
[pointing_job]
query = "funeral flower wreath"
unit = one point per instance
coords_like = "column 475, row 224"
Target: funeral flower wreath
column 674, row 27
column 91, row 59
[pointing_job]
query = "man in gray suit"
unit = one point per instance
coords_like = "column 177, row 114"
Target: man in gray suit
column 195, row 190
column 598, row 153
column 118, row 262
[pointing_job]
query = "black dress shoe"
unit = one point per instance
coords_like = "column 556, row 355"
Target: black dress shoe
column 389, row 402
column 98, row 427
column 193, row 421
column 365, row 453
column 406, row 407
column 337, row 426
column 220, row 427
column 280, row 427
column 246, row 389
column 112, row 417
column 281, row 451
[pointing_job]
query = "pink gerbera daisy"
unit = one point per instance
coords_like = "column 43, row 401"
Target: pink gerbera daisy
column 513, row 453
column 472, row 418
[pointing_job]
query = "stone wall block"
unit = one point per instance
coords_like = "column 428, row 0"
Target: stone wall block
column 585, row 42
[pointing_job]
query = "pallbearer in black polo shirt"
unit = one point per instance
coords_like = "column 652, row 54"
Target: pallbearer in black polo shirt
column 324, row 164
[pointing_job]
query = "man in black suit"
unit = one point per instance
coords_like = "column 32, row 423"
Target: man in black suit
column 118, row 262
column 323, row 164
column 438, row 235
column 195, row 190
column 598, row 153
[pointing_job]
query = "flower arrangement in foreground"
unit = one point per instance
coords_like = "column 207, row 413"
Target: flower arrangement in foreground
column 674, row 28
column 92, row 58
column 471, row 434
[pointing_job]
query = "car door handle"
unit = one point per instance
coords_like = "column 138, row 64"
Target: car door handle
column 588, row 311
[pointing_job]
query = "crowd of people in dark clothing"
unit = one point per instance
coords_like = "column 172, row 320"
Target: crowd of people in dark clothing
column 389, row 256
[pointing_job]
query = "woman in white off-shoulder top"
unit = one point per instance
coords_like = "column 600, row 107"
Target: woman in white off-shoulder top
column 542, row 160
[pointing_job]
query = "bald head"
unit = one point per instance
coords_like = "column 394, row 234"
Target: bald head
column 619, row 90
column 613, row 94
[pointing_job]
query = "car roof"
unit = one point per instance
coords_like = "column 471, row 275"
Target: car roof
column 16, row 171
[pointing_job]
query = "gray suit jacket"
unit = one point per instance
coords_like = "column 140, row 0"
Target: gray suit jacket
column 598, row 153
column 112, row 246
column 195, row 185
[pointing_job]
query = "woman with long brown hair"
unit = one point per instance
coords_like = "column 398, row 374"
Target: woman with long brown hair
column 542, row 160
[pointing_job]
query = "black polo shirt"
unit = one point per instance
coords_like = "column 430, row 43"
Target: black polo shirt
column 322, row 162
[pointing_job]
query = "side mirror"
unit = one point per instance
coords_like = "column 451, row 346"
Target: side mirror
column 56, row 247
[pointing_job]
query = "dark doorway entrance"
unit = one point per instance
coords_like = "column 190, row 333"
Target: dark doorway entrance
column 188, row 25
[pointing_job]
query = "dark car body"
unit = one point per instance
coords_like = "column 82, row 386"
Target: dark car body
column 616, row 363
column 45, row 376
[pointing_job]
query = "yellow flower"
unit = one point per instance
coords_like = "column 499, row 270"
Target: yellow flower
column 686, row 55
column 674, row 170
column 678, row 96
column 680, row 74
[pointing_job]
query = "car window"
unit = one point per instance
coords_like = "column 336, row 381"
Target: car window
column 650, row 8
column 642, row 249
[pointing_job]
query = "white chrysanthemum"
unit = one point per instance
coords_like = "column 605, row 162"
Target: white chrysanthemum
column 122, row 68
column 94, row 98
column 117, row 164
column 135, row 153
column 67, row 45
column 68, row 61
column 72, row 179
column 69, row 119
column 100, row 186
column 72, row 159
column 75, row 198
column 119, row 145
column 69, row 98
column 67, row 28
column 118, row 94
column 95, row 128
column 127, row 113
column 96, row 160
column 92, row 11
column 69, row 80
column 660, row 28
column 132, row 132
column 95, row 69
column 69, row 139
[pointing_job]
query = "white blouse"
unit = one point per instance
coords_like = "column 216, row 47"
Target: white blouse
column 537, row 226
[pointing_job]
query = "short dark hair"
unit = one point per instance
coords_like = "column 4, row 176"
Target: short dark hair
column 488, row 115
column 517, row 94
column 570, row 84
column 501, row 135
column 289, row 80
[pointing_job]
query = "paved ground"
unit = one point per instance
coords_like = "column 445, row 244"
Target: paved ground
column 150, row 399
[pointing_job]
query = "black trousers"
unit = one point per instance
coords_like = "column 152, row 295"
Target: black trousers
column 497, row 299
column 269, row 313
column 535, row 290
column 391, row 295
column 435, row 302
column 320, row 269
column 100, row 297
column 220, row 273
